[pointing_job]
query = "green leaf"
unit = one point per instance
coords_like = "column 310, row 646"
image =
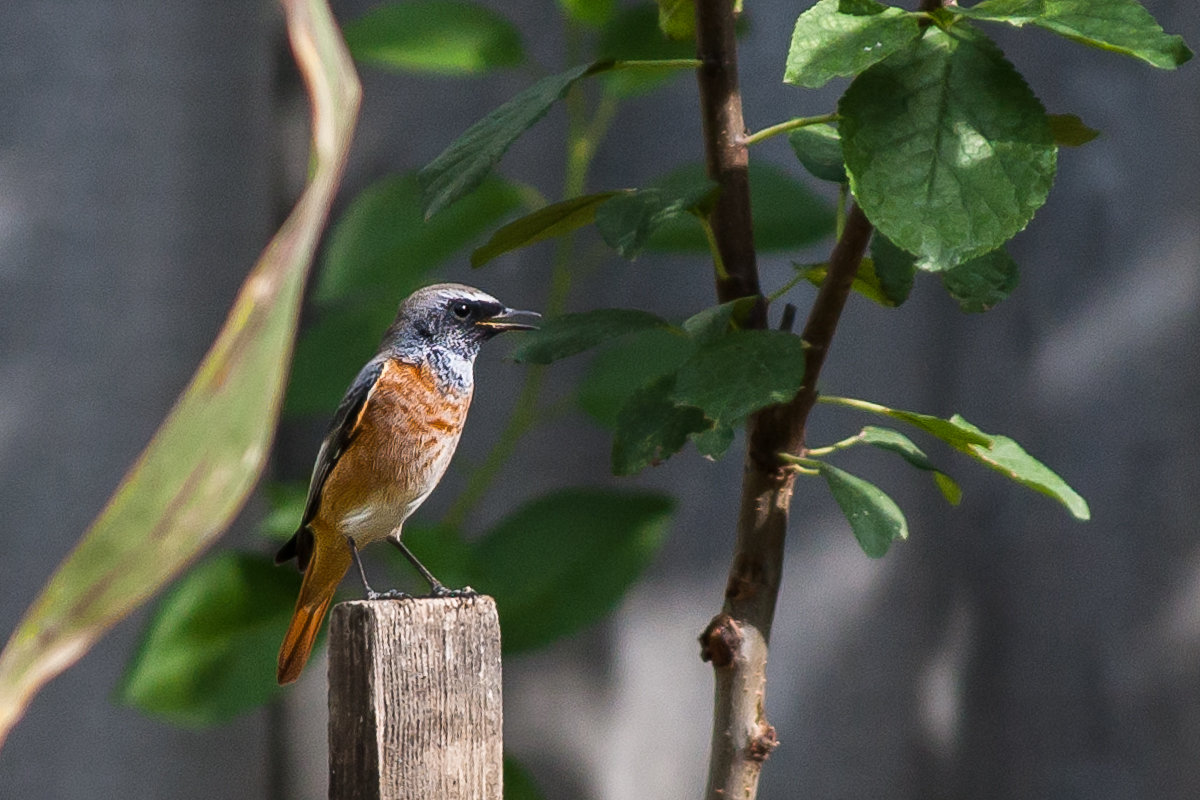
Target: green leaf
column 208, row 652
column 1010, row 459
column 860, row 7
column 949, row 153
column 787, row 214
column 819, row 149
column 633, row 35
column 895, row 268
column 947, row 430
column 982, row 282
column 738, row 374
column 627, row 221
column 518, row 783
column 873, row 516
column 557, row 219
column 329, row 355
column 1069, row 131
column 866, row 282
column 446, row 37
column 827, row 43
column 1122, row 26
column 285, row 501
column 714, row 322
column 564, row 560
column 382, row 247
column 713, row 443
column 677, row 19
column 463, row 165
column 896, row 442
column 589, row 12
column 566, row 335
column 626, row 365
column 194, row 475
column 1014, row 12
column 651, row 427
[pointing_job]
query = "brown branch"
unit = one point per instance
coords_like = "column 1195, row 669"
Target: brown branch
column 736, row 642
column 726, row 156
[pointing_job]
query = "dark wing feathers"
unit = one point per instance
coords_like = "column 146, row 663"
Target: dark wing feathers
column 341, row 432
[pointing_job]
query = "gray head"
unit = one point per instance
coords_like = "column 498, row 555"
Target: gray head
column 447, row 323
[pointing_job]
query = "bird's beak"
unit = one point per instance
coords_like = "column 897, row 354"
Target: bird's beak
column 510, row 319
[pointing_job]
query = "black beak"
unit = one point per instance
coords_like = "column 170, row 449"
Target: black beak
column 509, row 319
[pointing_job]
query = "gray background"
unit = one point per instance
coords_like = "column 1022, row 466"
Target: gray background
column 148, row 149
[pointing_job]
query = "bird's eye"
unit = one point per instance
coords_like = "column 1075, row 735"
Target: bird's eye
column 461, row 310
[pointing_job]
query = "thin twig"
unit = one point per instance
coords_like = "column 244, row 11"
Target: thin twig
column 784, row 127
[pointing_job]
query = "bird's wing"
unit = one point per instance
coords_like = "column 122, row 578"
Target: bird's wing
column 341, row 433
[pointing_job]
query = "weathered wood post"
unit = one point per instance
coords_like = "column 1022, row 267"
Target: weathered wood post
column 414, row 700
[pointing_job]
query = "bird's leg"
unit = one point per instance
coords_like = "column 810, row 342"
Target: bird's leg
column 436, row 587
column 392, row 594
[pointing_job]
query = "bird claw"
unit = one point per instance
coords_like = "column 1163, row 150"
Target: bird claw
column 442, row 591
column 390, row 594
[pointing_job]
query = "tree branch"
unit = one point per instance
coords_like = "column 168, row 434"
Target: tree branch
column 737, row 640
column 726, row 156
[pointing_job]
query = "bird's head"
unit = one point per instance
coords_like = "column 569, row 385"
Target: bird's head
column 454, row 318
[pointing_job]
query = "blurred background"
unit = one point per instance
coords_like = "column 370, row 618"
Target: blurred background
column 149, row 150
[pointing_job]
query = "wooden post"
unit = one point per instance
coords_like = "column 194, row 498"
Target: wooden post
column 414, row 700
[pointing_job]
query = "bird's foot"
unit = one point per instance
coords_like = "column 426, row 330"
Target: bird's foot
column 390, row 594
column 438, row 590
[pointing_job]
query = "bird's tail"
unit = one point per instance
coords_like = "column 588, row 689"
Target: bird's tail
column 330, row 560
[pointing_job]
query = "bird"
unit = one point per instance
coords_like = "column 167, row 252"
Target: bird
column 388, row 445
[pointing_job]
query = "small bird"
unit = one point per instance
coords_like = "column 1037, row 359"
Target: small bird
column 389, row 444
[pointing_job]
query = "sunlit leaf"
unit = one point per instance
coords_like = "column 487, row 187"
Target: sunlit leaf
column 1122, row 26
column 677, row 18
column 948, row 151
column 465, row 163
column 896, row 442
column 873, row 516
column 827, row 43
column 556, row 219
column 948, row 430
column 866, row 282
column 201, row 464
column 209, row 651
column 447, row 37
column 1010, row 459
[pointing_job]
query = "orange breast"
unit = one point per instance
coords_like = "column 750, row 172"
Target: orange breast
column 404, row 440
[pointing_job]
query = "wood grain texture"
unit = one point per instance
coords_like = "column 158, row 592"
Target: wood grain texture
column 415, row 700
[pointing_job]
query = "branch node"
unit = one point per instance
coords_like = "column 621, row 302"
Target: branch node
column 721, row 641
column 759, row 748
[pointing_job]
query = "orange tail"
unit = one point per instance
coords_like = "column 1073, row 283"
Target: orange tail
column 330, row 561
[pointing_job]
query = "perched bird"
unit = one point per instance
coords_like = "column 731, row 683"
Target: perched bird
column 389, row 444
